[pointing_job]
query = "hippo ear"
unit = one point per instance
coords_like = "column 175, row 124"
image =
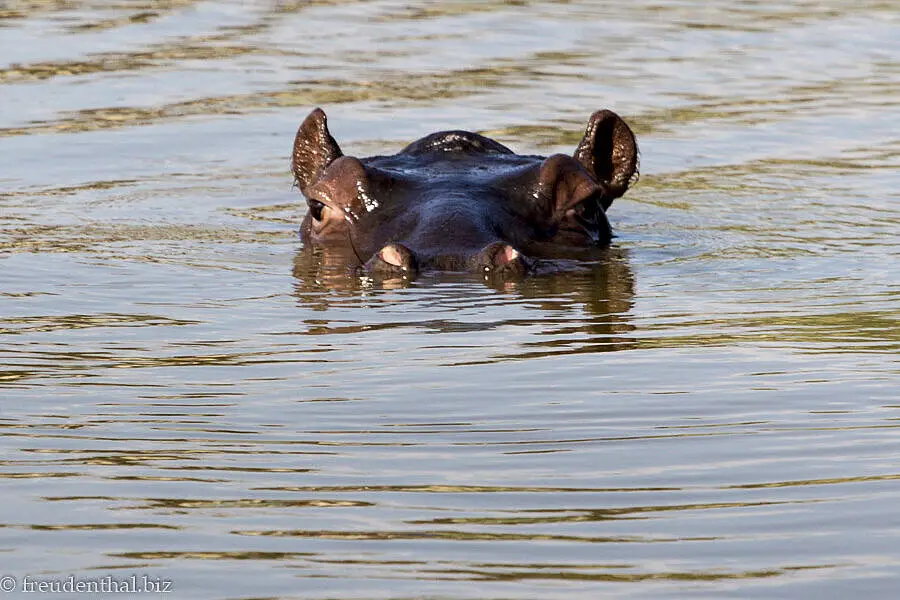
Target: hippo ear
column 567, row 187
column 314, row 150
column 567, row 206
column 609, row 152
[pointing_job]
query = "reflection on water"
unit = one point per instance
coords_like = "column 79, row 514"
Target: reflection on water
column 603, row 286
column 707, row 409
column 599, row 294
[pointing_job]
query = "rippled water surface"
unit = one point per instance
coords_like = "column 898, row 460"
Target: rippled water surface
column 712, row 410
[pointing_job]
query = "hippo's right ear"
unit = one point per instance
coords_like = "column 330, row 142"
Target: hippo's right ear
column 609, row 152
column 314, row 150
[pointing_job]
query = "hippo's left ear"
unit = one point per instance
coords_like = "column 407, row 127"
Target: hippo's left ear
column 609, row 152
column 314, row 150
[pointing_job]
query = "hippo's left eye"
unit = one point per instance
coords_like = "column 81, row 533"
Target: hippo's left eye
column 316, row 209
column 589, row 210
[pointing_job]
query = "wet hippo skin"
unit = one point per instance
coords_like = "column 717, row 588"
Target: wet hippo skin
column 456, row 200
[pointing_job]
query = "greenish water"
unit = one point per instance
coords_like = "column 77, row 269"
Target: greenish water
column 712, row 411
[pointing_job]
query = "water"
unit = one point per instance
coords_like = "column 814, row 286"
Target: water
column 711, row 411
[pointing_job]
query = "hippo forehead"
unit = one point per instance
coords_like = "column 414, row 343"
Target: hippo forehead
column 461, row 155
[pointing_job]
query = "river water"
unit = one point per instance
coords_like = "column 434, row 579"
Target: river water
column 710, row 411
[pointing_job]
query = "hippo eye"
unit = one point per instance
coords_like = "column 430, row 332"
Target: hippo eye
column 589, row 210
column 316, row 209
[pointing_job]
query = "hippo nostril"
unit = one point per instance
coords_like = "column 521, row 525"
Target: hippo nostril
column 506, row 255
column 394, row 260
column 501, row 259
column 392, row 256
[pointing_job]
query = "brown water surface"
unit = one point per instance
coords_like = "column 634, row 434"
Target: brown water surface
column 711, row 410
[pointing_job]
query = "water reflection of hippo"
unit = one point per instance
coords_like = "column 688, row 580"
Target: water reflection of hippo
column 457, row 200
column 585, row 308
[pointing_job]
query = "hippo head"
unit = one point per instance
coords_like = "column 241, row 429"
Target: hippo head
column 457, row 200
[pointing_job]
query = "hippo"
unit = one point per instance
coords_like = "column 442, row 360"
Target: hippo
column 460, row 201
